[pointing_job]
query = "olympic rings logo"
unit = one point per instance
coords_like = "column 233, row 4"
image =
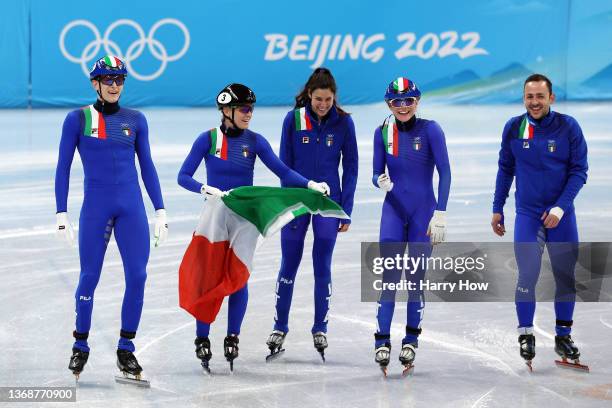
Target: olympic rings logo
column 157, row 49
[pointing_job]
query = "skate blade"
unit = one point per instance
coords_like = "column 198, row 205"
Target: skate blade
column 322, row 353
column 273, row 356
column 385, row 371
column 123, row 379
column 231, row 367
column 575, row 365
column 408, row 370
column 206, row 368
column 529, row 366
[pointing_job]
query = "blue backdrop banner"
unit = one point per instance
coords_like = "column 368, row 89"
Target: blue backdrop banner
column 181, row 53
column 15, row 48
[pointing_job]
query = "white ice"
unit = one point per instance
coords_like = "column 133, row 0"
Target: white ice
column 468, row 354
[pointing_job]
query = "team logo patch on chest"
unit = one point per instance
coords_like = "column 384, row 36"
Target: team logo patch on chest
column 125, row 130
column 416, row 143
column 552, row 146
column 305, row 139
column 245, row 151
column 329, row 140
column 525, row 144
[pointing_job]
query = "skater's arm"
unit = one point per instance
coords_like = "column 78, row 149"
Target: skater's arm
column 288, row 177
column 350, row 165
column 440, row 155
column 378, row 161
column 199, row 149
column 68, row 143
column 147, row 168
column 578, row 167
column 505, row 172
column 286, row 144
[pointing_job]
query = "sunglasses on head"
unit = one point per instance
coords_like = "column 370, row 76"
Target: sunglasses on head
column 244, row 109
column 401, row 103
column 109, row 79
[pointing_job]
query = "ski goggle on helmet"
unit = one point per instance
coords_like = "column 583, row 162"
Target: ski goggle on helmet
column 402, row 92
column 108, row 65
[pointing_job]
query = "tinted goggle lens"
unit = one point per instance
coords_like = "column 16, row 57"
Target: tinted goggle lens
column 245, row 109
column 401, row 103
column 109, row 79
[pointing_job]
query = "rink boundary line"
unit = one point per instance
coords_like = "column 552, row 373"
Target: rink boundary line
column 451, row 346
column 159, row 338
column 476, row 404
column 444, row 344
column 541, row 331
column 608, row 325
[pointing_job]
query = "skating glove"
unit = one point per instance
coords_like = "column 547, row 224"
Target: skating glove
column 210, row 191
column 161, row 227
column 322, row 188
column 384, row 182
column 557, row 212
column 64, row 230
column 437, row 227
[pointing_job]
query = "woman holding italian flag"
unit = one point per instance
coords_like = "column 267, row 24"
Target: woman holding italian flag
column 406, row 150
column 229, row 152
column 317, row 135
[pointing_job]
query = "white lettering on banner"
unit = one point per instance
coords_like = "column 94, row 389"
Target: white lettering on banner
column 429, row 45
column 320, row 48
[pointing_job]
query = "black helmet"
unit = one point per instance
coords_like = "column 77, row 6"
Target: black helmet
column 235, row 95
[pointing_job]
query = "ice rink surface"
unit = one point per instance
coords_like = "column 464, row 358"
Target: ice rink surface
column 468, row 352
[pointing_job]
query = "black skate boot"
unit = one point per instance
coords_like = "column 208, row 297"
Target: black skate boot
column 527, row 348
column 567, row 350
column 230, row 346
column 382, row 357
column 320, row 343
column 407, row 356
column 203, row 352
column 275, row 344
column 77, row 362
column 131, row 370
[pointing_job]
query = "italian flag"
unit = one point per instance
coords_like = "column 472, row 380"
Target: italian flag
column 94, row 123
column 112, row 61
column 390, row 136
column 400, row 84
column 218, row 144
column 302, row 120
column 219, row 259
column 526, row 130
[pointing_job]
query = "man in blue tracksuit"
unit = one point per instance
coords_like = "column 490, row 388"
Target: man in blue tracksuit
column 547, row 154
column 229, row 152
column 409, row 148
column 316, row 136
column 108, row 138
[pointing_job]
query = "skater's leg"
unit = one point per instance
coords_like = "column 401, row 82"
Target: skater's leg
column 95, row 229
column 132, row 236
column 325, row 231
column 292, row 247
column 419, row 248
column 202, row 329
column 529, row 241
column 392, row 240
column 236, row 309
column 563, row 252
